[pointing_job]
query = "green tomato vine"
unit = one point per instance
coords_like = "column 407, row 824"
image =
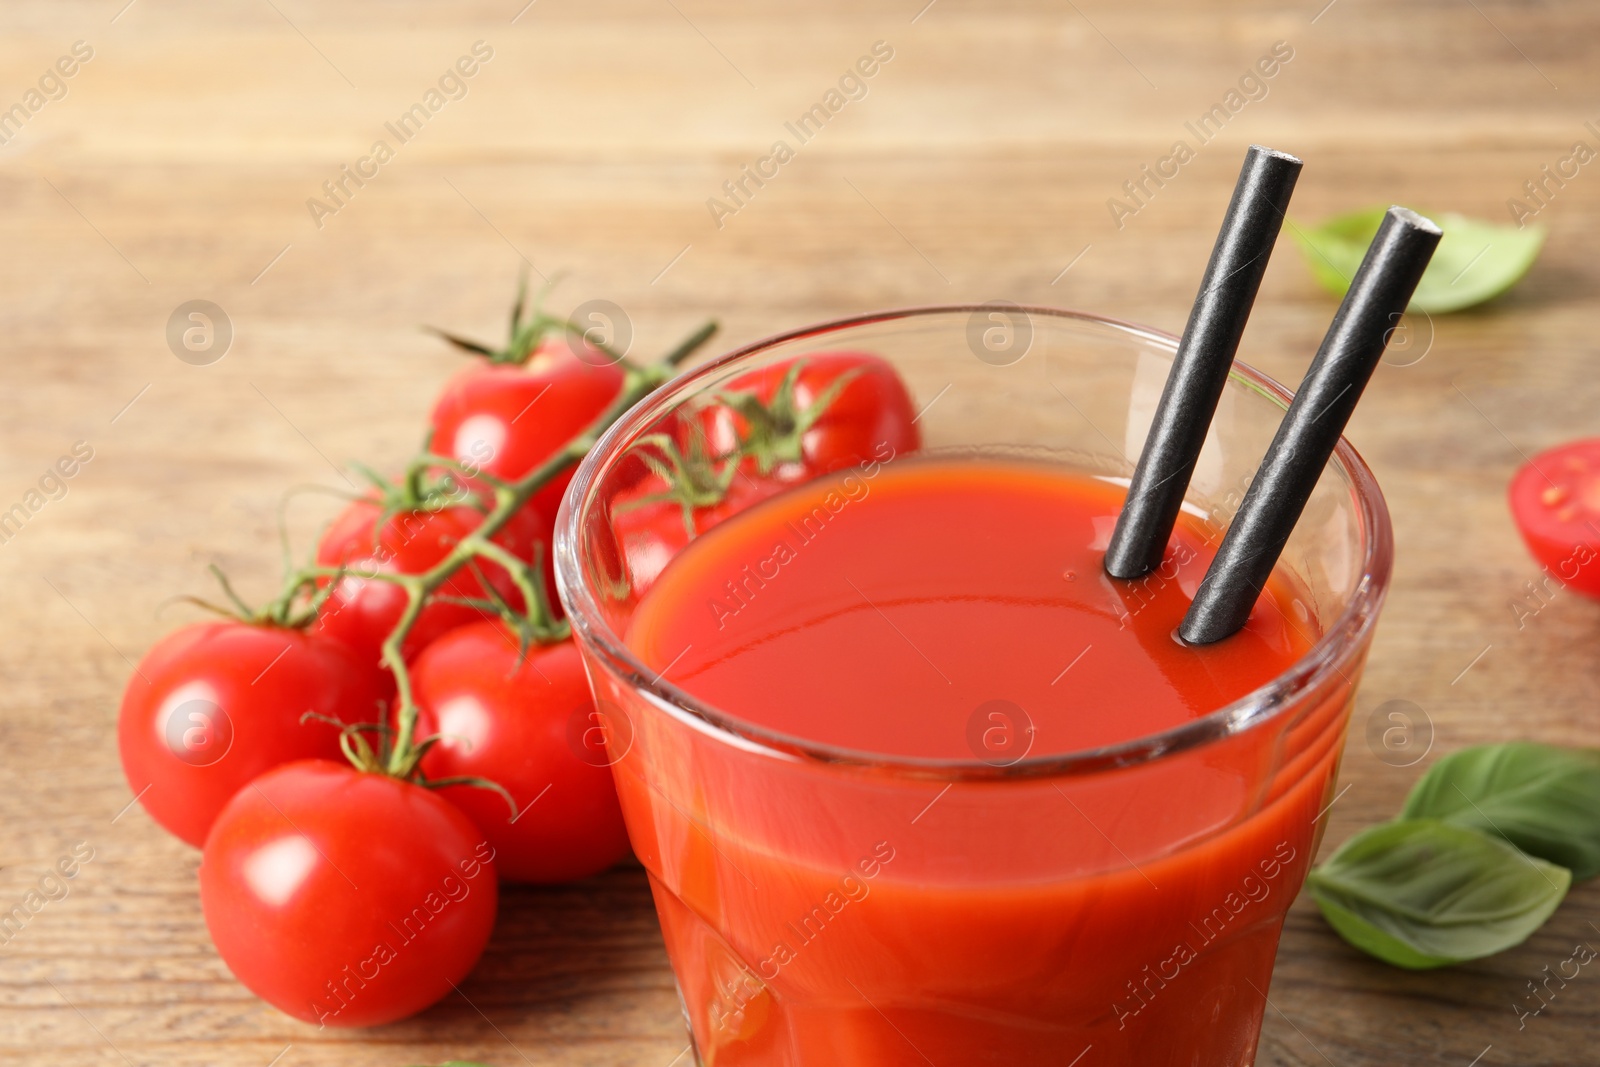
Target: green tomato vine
column 398, row 750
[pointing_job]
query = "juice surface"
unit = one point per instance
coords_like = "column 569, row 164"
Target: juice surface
column 898, row 614
column 820, row 915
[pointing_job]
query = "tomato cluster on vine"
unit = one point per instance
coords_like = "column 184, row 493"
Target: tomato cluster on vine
column 366, row 757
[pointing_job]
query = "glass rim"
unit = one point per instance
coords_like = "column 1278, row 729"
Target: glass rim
column 1337, row 646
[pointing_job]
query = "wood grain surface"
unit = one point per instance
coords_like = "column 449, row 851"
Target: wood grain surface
column 178, row 164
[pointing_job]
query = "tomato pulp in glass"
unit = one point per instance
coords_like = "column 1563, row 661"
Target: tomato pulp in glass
column 957, row 610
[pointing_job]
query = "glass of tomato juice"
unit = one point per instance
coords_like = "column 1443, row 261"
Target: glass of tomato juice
column 914, row 781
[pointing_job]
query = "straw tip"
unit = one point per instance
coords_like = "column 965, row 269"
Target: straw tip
column 1414, row 220
column 1261, row 149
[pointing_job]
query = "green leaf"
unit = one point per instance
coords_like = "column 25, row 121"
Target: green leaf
column 1543, row 799
column 1475, row 261
column 1423, row 893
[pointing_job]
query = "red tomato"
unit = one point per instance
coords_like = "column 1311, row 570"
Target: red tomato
column 532, row 728
column 506, row 419
column 650, row 532
column 362, row 612
column 344, row 898
column 1555, row 499
column 215, row 704
column 870, row 416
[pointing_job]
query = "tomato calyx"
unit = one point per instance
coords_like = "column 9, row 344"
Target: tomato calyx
column 530, row 327
column 295, row 608
column 368, row 758
column 430, row 483
column 691, row 478
column 776, row 429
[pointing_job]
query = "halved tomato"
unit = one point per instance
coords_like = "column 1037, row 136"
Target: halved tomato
column 1555, row 499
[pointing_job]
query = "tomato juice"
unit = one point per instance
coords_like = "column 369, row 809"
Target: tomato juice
column 885, row 870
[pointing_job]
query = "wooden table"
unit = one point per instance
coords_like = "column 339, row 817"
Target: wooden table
column 178, row 165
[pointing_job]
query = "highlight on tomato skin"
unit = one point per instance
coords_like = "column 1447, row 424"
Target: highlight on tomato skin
column 345, row 898
column 526, row 724
column 1555, row 500
column 504, row 419
column 214, row 704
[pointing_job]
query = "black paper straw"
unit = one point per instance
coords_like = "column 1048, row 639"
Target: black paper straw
column 1200, row 368
column 1382, row 288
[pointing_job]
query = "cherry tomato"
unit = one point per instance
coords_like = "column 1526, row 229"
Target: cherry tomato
column 651, row 531
column 506, row 419
column 344, row 898
column 872, row 413
column 215, row 704
column 362, row 612
column 1555, row 500
column 532, row 728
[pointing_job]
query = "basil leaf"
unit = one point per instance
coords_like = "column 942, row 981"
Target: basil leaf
column 1543, row 799
column 1423, row 893
column 1475, row 261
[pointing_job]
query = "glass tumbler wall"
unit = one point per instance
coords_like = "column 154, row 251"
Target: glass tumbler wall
column 828, row 908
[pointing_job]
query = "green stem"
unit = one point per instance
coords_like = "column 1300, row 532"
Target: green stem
column 349, row 572
column 399, row 758
column 687, row 346
column 476, row 603
column 529, row 582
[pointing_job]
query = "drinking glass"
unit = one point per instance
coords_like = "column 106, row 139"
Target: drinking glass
column 833, row 908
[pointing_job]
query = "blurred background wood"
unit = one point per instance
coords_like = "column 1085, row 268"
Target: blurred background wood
column 178, row 165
